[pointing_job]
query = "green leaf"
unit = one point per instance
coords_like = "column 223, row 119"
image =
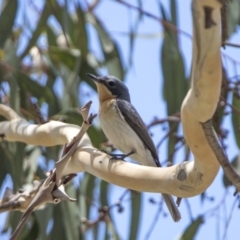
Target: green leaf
column 62, row 16
column 86, row 67
column 104, row 187
column 14, row 91
column 110, row 49
column 33, row 233
column 218, row 116
column 173, row 12
column 31, row 164
column 191, row 230
column 96, row 135
column 236, row 118
column 65, row 56
column 58, row 230
column 10, row 56
column 71, row 215
column 236, row 165
column 175, row 82
column 53, row 106
column 51, row 36
column 43, row 217
column 233, row 16
column 71, row 115
column 86, row 195
column 136, row 201
column 42, row 93
column 17, row 164
column 111, row 232
column 7, row 18
column 66, row 219
column 79, row 34
column 39, row 29
column 12, row 221
column 133, row 33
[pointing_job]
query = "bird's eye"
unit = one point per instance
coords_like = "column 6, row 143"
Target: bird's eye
column 111, row 84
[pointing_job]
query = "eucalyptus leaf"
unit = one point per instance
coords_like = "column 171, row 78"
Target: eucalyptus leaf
column 236, row 165
column 58, row 229
column 104, row 189
column 61, row 56
column 233, row 16
column 79, row 33
column 192, row 229
column 173, row 69
column 31, row 164
column 33, row 233
column 8, row 15
column 236, row 119
column 110, row 48
column 39, row 29
column 136, row 201
column 42, row 93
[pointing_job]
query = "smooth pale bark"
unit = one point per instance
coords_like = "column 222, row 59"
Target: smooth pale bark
column 183, row 180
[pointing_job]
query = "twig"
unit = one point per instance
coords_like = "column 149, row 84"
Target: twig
column 212, row 211
column 232, row 44
column 104, row 211
column 93, row 5
column 189, row 209
column 51, row 190
column 229, row 218
column 46, row 192
column 39, row 114
column 163, row 120
column 220, row 155
column 57, row 16
column 167, row 134
column 154, row 222
column 236, row 110
column 163, row 22
column 71, row 147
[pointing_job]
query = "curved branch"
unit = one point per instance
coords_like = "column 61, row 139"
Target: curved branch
column 186, row 179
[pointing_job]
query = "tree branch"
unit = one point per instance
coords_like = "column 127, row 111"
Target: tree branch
column 186, row 179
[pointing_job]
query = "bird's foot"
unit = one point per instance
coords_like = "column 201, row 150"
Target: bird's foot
column 117, row 156
column 120, row 156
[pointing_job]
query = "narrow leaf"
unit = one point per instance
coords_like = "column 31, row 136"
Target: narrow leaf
column 236, row 118
column 104, row 187
column 175, row 82
column 191, row 230
column 233, row 16
column 110, row 49
column 79, row 32
column 7, row 18
column 135, row 214
column 39, row 29
column 42, row 93
column 33, row 233
column 236, row 165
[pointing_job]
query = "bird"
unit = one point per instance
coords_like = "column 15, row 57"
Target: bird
column 125, row 129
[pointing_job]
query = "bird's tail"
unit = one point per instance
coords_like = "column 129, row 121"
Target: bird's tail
column 176, row 215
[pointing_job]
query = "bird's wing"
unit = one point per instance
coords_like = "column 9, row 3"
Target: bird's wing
column 134, row 120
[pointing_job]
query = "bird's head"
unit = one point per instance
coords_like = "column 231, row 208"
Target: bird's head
column 110, row 87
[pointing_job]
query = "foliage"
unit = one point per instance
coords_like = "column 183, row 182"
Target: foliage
column 35, row 63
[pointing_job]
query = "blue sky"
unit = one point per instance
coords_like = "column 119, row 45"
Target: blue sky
column 144, row 81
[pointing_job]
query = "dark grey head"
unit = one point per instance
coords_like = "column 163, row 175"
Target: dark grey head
column 115, row 86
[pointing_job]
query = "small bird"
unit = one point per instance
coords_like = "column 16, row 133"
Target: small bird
column 125, row 129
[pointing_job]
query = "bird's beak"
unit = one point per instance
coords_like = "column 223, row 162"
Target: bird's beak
column 94, row 78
